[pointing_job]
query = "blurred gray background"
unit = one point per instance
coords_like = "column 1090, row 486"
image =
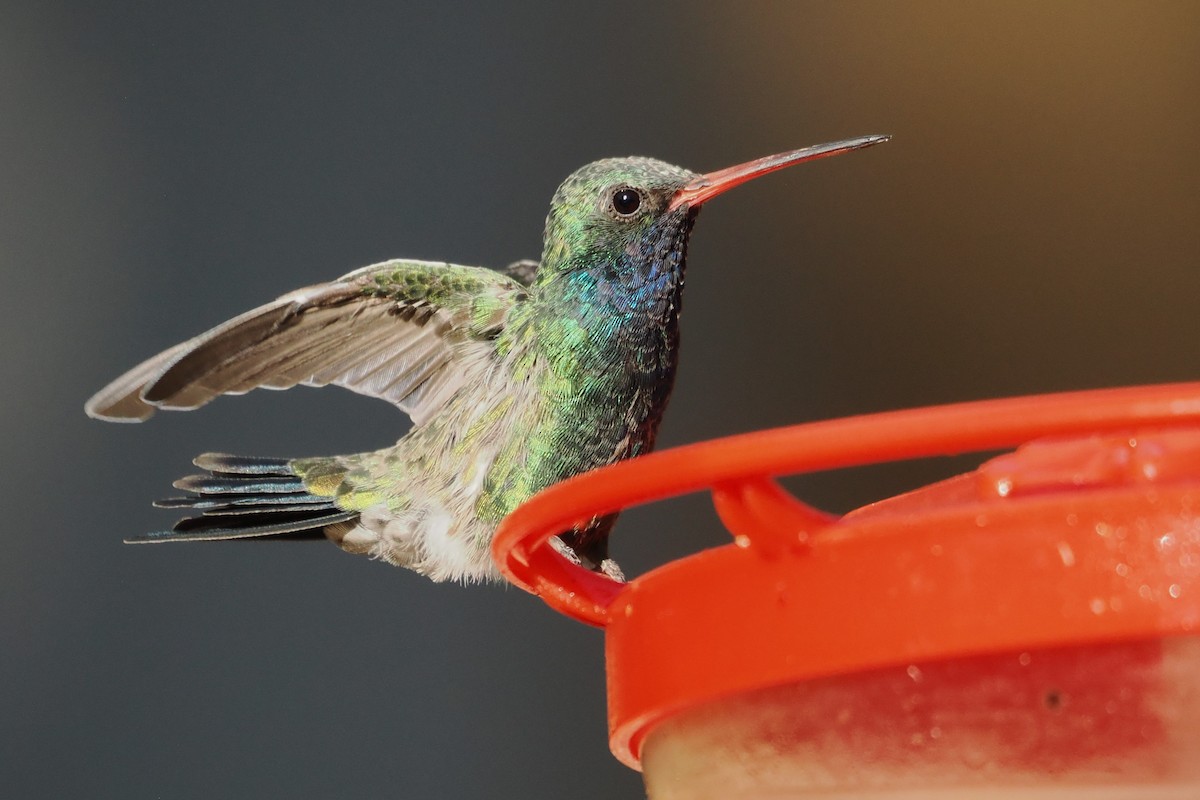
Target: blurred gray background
column 1032, row 227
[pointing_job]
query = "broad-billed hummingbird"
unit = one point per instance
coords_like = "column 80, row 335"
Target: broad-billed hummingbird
column 514, row 379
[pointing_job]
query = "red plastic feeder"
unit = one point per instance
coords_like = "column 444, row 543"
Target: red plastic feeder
column 1026, row 629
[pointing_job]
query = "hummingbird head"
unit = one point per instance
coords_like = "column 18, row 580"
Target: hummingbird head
column 613, row 218
column 628, row 219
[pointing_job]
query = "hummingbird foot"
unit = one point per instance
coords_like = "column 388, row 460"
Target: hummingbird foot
column 611, row 569
column 605, row 566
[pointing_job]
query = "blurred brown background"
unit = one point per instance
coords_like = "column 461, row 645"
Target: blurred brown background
column 1032, row 227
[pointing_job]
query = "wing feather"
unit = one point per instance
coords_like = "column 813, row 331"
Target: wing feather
column 409, row 332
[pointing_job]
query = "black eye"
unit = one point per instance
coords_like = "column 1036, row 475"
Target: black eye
column 626, row 201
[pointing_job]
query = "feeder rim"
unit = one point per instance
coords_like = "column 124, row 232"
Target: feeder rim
column 520, row 547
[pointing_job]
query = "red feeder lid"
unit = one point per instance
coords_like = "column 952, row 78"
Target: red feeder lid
column 1089, row 532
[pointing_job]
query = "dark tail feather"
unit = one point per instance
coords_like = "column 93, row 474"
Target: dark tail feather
column 246, row 498
column 243, row 465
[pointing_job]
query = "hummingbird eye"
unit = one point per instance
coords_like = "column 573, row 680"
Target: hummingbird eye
column 626, row 201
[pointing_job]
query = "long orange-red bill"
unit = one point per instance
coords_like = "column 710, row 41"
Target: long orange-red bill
column 714, row 183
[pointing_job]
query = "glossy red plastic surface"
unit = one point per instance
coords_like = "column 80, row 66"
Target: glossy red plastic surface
column 1090, row 532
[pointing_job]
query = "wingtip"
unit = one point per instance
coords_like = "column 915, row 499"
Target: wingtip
column 124, row 399
column 97, row 407
column 148, row 538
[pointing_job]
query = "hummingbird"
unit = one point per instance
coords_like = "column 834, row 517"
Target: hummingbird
column 514, row 379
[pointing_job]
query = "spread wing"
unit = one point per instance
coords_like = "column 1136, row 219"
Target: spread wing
column 410, row 332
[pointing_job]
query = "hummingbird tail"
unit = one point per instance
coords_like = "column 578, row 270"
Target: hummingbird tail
column 244, row 497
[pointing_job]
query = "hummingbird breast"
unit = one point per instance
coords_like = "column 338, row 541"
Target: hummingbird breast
column 608, row 347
